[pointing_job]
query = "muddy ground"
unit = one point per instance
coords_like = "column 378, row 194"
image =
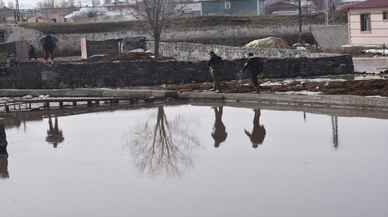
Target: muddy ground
column 376, row 87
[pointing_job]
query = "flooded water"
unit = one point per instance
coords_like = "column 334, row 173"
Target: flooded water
column 195, row 161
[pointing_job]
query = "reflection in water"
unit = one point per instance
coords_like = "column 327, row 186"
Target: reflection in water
column 258, row 131
column 54, row 134
column 163, row 148
column 334, row 127
column 219, row 133
column 3, row 153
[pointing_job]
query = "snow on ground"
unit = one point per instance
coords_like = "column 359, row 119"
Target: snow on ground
column 302, row 92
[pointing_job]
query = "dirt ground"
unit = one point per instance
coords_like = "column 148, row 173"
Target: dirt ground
column 376, row 87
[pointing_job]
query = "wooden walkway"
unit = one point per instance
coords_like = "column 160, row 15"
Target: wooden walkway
column 17, row 105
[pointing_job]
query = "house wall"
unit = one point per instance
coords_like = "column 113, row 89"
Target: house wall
column 213, row 8
column 379, row 33
column 237, row 7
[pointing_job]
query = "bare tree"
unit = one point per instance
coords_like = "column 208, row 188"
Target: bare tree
column 157, row 13
column 47, row 4
column 65, row 4
column 163, row 148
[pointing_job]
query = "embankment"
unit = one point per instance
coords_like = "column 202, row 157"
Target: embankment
column 148, row 73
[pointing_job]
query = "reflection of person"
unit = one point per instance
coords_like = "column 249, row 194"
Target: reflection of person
column 253, row 66
column 219, row 133
column 49, row 43
column 258, row 132
column 215, row 69
column 3, row 153
column 54, row 134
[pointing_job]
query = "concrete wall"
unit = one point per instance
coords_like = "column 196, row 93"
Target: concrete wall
column 379, row 28
column 331, row 37
column 125, row 74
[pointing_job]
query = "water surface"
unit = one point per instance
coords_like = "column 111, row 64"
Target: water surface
column 196, row 161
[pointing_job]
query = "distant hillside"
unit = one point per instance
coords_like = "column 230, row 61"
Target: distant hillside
column 175, row 24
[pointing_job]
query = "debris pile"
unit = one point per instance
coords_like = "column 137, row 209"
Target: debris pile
column 269, row 42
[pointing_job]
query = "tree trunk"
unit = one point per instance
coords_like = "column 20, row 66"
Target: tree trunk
column 156, row 45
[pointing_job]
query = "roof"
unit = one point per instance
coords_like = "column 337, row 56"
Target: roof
column 369, row 4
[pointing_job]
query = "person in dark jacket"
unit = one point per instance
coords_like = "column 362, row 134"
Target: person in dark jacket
column 49, row 44
column 215, row 68
column 54, row 134
column 258, row 132
column 219, row 133
column 253, row 66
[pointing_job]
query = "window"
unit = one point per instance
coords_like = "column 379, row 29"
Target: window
column 385, row 15
column 227, row 5
column 365, row 23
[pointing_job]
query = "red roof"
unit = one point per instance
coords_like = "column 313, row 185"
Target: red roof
column 370, row 4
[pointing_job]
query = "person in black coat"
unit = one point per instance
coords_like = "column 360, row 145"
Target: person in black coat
column 215, row 68
column 253, row 66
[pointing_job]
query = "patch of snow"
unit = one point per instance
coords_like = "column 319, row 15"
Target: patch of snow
column 376, row 51
column 302, row 92
column 369, row 77
column 271, row 83
column 27, row 97
column 44, row 96
column 377, row 96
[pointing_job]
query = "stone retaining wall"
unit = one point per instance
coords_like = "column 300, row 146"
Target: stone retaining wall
column 146, row 73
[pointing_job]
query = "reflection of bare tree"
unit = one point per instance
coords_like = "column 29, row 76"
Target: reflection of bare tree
column 163, row 148
column 334, row 127
column 219, row 133
column 54, row 134
column 3, row 153
column 258, row 131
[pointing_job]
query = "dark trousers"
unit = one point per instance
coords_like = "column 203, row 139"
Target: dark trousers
column 254, row 80
column 48, row 53
column 215, row 76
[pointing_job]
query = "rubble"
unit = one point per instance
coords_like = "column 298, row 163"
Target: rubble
column 269, row 42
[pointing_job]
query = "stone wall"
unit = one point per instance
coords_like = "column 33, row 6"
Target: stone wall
column 139, row 73
column 331, row 37
column 18, row 49
column 184, row 51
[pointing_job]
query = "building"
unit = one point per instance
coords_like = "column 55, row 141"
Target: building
column 51, row 15
column 232, row 7
column 368, row 23
column 7, row 15
column 189, row 8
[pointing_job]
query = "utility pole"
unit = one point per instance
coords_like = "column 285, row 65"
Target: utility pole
column 327, row 11
column 17, row 11
column 300, row 21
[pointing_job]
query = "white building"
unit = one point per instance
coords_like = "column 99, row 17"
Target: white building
column 368, row 23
